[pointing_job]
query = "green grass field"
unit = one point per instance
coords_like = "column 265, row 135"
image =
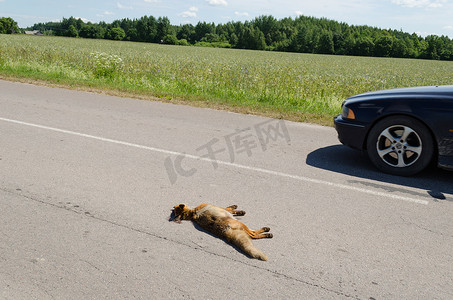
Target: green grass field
column 299, row 87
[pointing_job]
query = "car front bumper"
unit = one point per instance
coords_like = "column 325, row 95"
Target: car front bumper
column 350, row 134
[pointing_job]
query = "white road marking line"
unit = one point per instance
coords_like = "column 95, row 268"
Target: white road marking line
column 234, row 165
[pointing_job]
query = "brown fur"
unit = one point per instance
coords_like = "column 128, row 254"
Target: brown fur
column 221, row 222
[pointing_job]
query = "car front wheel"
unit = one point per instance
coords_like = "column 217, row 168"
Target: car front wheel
column 400, row 145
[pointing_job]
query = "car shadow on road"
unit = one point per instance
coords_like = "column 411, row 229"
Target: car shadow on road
column 436, row 182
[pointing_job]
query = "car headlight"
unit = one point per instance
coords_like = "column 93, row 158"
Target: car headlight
column 347, row 113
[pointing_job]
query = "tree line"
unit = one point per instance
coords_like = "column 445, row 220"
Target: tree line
column 302, row 34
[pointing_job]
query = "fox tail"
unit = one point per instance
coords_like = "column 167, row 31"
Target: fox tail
column 243, row 242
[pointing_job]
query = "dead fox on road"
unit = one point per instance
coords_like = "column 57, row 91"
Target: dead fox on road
column 221, row 222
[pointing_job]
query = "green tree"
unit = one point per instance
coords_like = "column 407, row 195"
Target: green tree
column 66, row 26
column 303, row 40
column 363, row 46
column 268, row 25
column 116, row 34
column 92, row 31
column 87, row 31
column 325, row 43
column 252, row 38
column 72, row 31
column 435, row 47
column 446, row 53
column 183, row 42
column 132, row 34
column 186, row 32
column 399, row 49
column 350, row 45
column 147, row 29
column 164, row 28
column 8, row 26
column 234, row 40
column 410, row 47
column 383, row 44
column 170, row 39
column 202, row 29
column 211, row 38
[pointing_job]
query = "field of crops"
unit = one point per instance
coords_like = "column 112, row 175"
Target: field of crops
column 301, row 87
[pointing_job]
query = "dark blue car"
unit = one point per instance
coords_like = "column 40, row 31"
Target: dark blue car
column 402, row 130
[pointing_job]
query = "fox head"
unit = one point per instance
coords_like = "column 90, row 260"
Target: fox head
column 181, row 212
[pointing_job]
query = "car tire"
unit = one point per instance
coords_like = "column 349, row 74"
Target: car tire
column 400, row 145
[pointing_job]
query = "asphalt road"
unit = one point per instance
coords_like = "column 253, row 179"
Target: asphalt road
column 87, row 183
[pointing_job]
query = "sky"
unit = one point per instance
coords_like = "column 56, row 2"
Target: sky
column 423, row 17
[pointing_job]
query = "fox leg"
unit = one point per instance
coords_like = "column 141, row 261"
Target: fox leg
column 264, row 229
column 258, row 234
column 263, row 235
column 232, row 209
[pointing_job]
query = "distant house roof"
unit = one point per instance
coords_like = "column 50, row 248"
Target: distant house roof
column 34, row 32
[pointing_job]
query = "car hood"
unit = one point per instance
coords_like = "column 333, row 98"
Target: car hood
column 438, row 92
